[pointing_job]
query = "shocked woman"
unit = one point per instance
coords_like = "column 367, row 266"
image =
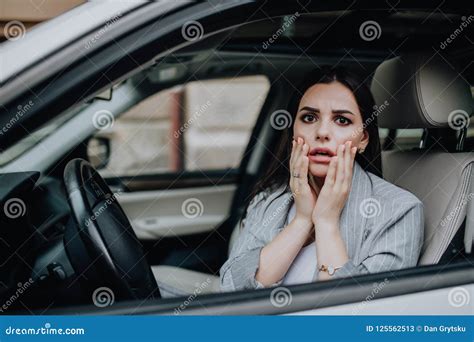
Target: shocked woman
column 322, row 209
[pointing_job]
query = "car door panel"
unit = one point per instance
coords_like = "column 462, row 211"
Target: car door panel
column 446, row 301
column 176, row 212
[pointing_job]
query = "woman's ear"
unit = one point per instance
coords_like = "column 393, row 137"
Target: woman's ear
column 365, row 140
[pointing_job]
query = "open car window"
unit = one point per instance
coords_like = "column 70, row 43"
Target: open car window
column 200, row 125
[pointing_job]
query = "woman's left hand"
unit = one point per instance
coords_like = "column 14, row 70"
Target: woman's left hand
column 336, row 188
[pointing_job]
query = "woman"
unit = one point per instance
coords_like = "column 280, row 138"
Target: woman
column 327, row 212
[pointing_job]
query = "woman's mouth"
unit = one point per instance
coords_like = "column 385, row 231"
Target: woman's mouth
column 320, row 155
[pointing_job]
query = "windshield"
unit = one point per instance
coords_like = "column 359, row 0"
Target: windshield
column 35, row 137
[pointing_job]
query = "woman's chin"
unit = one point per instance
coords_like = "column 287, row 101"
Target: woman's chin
column 319, row 170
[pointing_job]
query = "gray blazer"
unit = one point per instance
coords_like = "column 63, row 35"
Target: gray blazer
column 381, row 225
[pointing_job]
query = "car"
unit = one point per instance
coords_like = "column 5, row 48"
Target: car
column 114, row 204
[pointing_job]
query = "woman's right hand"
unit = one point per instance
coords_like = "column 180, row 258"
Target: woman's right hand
column 305, row 197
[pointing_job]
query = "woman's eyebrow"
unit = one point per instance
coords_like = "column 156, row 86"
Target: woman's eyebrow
column 342, row 111
column 336, row 111
column 311, row 109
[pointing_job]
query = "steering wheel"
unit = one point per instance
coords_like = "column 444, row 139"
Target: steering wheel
column 102, row 246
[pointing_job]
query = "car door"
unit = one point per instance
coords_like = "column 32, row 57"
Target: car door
column 423, row 290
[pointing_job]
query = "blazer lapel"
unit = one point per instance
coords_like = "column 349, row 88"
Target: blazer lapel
column 354, row 214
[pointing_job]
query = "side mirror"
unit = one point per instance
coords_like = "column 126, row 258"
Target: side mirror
column 98, row 152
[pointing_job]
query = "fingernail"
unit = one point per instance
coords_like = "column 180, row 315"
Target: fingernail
column 343, row 147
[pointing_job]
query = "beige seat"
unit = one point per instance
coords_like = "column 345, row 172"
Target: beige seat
column 422, row 92
column 176, row 281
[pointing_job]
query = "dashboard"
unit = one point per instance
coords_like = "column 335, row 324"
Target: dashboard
column 33, row 220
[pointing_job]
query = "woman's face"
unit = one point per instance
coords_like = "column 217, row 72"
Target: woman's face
column 328, row 116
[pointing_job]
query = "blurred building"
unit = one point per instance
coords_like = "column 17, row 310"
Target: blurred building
column 30, row 13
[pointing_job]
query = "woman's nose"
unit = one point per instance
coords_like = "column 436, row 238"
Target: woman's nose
column 322, row 131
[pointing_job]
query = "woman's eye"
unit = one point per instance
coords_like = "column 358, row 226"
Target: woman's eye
column 343, row 120
column 308, row 118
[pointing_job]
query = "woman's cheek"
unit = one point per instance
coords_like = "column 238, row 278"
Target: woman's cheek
column 301, row 131
column 342, row 136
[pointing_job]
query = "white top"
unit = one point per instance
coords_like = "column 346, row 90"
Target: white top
column 303, row 268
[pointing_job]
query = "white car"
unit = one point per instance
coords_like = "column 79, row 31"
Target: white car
column 93, row 219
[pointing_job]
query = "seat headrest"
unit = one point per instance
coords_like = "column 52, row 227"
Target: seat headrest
column 422, row 91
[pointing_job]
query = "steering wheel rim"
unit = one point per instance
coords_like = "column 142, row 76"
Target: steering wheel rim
column 102, row 245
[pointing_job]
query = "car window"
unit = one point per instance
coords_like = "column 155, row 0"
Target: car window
column 406, row 139
column 200, row 125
